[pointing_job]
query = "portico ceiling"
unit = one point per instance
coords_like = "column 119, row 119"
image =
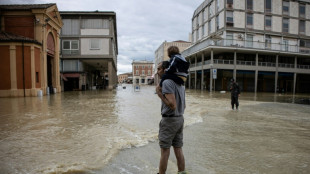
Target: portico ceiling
column 98, row 64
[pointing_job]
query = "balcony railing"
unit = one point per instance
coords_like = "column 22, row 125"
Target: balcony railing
column 251, row 63
column 245, row 44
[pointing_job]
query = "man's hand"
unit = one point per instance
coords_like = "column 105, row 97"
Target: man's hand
column 158, row 90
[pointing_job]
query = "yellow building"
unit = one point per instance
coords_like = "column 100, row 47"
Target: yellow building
column 161, row 53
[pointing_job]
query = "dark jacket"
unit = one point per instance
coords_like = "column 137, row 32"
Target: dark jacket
column 234, row 89
column 178, row 66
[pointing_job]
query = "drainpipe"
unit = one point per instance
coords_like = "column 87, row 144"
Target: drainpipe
column 23, row 68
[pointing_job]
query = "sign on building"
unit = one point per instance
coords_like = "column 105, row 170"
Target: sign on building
column 214, row 72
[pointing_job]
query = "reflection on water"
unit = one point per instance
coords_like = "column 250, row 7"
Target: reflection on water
column 83, row 131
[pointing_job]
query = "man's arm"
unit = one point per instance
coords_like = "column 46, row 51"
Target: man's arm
column 168, row 99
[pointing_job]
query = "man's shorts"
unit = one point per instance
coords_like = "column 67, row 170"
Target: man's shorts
column 171, row 132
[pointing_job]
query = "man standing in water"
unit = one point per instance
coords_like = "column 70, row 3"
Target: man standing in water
column 171, row 125
column 235, row 93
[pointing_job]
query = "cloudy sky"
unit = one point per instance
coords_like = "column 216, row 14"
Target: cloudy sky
column 142, row 25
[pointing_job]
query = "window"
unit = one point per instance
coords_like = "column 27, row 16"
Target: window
column 193, row 37
column 304, row 46
column 268, row 22
column 249, row 4
column 217, row 22
column 302, row 43
column 70, row 47
column 137, row 72
column 285, row 25
column 143, row 72
column 229, row 39
column 209, row 27
column 302, row 27
column 94, row 44
column 268, row 6
column 249, row 41
column 95, row 23
column 197, row 34
column 203, row 30
column 70, row 27
column 209, row 12
column 302, row 10
column 285, row 45
column 249, row 20
column 143, row 67
column 229, row 18
column 268, row 41
column 230, row 4
column 203, row 16
column 286, row 8
column 149, row 72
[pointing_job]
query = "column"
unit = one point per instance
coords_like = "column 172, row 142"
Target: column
column 276, row 74
column 295, row 76
column 211, row 66
column 202, row 73
column 33, row 73
column 110, row 74
column 256, row 72
column 195, row 86
column 235, row 66
column 189, row 80
column 57, row 60
column 13, row 70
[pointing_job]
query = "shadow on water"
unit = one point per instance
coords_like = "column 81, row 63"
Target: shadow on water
column 263, row 97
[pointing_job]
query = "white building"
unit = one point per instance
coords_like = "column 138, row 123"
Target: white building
column 263, row 44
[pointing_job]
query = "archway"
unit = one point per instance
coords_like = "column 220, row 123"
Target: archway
column 50, row 62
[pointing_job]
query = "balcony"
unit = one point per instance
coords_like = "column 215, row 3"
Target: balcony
column 255, row 45
column 250, row 63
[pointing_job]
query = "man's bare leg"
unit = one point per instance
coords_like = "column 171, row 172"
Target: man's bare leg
column 180, row 158
column 164, row 160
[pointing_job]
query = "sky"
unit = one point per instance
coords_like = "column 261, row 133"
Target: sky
column 142, row 25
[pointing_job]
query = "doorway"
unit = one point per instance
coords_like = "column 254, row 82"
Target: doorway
column 50, row 73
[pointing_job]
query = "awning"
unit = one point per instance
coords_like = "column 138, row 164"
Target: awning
column 72, row 75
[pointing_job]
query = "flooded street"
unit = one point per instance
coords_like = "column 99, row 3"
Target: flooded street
column 115, row 132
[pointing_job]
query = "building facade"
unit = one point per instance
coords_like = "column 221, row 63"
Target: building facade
column 125, row 78
column 29, row 48
column 161, row 54
column 142, row 72
column 263, row 44
column 89, row 50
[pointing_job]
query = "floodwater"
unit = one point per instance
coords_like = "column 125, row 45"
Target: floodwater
column 115, row 132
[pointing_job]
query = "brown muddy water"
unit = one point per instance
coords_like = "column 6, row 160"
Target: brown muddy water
column 115, row 132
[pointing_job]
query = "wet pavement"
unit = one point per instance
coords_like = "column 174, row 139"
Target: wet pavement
column 115, row 132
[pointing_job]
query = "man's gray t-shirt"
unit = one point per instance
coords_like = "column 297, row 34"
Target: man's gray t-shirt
column 170, row 87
